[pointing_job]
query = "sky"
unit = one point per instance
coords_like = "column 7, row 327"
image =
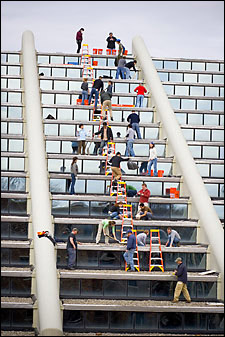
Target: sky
column 189, row 29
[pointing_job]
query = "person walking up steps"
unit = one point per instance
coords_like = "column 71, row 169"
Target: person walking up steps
column 74, row 172
column 116, row 170
column 130, row 142
column 134, row 120
column 96, row 89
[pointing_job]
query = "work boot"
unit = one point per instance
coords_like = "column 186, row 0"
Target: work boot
column 188, row 301
column 111, row 118
column 178, row 244
column 173, row 301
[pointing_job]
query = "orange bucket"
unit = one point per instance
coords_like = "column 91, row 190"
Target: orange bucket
column 151, row 173
column 113, row 51
column 94, row 63
column 160, row 173
column 79, row 101
column 100, row 51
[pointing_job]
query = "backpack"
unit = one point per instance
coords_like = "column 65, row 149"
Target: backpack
column 131, row 165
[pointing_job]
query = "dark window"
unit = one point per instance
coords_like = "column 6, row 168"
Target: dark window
column 69, row 287
column 121, row 320
column 195, row 321
column 92, row 287
column 170, row 321
column 138, row 289
column 73, row 319
column 96, row 319
column 115, row 288
column 146, row 321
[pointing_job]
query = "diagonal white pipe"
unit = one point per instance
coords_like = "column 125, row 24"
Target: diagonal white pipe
column 50, row 320
column 206, row 211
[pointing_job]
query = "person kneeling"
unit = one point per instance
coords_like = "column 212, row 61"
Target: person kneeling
column 145, row 213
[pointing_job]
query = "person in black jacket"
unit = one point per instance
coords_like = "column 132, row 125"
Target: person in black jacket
column 129, row 254
column 115, row 211
column 97, row 87
column 181, row 286
column 128, row 66
column 106, row 136
column 134, row 120
column 116, row 170
column 111, row 41
column 71, row 248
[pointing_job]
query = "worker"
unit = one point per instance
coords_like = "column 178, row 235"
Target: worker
column 145, row 213
column 96, row 89
column 131, row 247
column 74, row 172
column 141, row 90
column 116, row 211
column 79, row 38
column 152, row 160
column 111, row 42
column 116, row 170
column 106, row 136
column 71, row 248
column 106, row 97
column 181, row 286
column 104, row 225
column 173, row 238
column 144, row 194
column 128, row 66
column 142, row 238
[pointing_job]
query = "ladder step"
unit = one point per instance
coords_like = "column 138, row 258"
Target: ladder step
column 156, row 258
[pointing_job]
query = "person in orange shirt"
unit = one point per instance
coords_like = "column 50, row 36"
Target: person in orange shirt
column 140, row 95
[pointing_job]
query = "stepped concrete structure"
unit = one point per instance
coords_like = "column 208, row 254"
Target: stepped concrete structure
column 183, row 114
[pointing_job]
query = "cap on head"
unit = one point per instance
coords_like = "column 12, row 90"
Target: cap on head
column 74, row 230
column 179, row 259
column 129, row 231
column 152, row 143
column 104, row 123
column 118, row 40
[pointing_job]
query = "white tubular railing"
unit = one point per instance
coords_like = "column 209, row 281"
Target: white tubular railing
column 208, row 217
column 49, row 312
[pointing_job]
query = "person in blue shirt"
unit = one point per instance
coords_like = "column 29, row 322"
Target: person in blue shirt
column 181, row 285
column 131, row 247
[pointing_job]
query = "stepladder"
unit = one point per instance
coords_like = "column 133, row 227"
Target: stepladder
column 155, row 256
column 121, row 192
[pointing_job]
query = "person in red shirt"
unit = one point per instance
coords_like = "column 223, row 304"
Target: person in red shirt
column 144, row 194
column 140, row 95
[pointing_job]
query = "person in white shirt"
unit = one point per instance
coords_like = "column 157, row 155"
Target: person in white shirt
column 130, row 141
column 142, row 237
column 152, row 160
column 82, row 134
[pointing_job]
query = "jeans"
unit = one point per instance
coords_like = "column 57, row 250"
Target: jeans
column 148, row 216
column 120, row 71
column 127, row 73
column 103, row 143
column 115, row 216
column 135, row 127
column 175, row 241
column 140, row 243
column 129, row 258
column 131, row 193
column 129, row 149
column 84, row 96
column 72, row 183
column 139, row 102
column 154, row 162
column 78, row 46
column 71, row 257
column 95, row 92
column 143, row 167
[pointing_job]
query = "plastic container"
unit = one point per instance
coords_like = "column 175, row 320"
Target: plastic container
column 160, row 173
column 172, row 192
column 75, row 63
column 177, row 194
column 94, row 63
column 151, row 173
column 86, row 102
column 79, row 101
column 108, row 51
column 95, row 51
column 113, row 51
column 126, row 52
column 100, row 51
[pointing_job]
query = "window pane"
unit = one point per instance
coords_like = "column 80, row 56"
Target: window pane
column 205, row 78
column 62, row 99
column 170, row 65
column 217, row 171
column 14, row 112
column 210, row 152
column 175, row 103
column 3, row 112
column 46, row 85
column 212, row 91
column 60, row 207
column 3, row 83
column 47, row 99
column 203, row 169
column 188, row 134
column 95, row 187
column 43, row 59
column 188, row 104
column 16, row 145
column 45, row 71
column 203, row 104
column 14, row 83
column 212, row 190
column 4, row 145
column 76, row 86
column 56, row 59
column 53, row 146
column 181, row 118
column 60, row 85
column 176, row 77
column 191, row 78
column 195, row 151
column 15, row 128
column 203, row 135
column 184, row 65
column 217, row 135
column 65, row 114
column 58, row 72
column 74, row 73
column 163, row 77
column 198, row 66
column 51, row 129
column 212, row 66
column 54, row 165
column 195, row 119
column 67, row 130
column 182, row 91
column 218, row 105
column 14, row 97
column 211, row 119
column 57, row 185
column 13, row 70
column 47, row 111
column 4, row 183
column 196, row 91
column 17, row 184
column 71, row 59
column 16, row 164
column 158, row 64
